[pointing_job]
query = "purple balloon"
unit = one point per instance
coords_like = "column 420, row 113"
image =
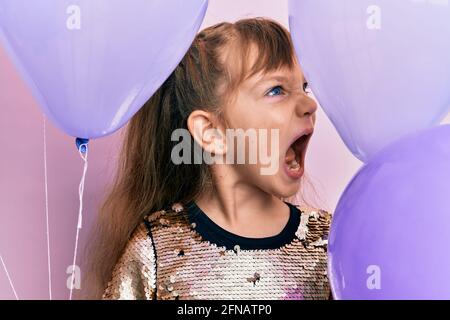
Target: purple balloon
column 390, row 233
column 379, row 68
column 92, row 64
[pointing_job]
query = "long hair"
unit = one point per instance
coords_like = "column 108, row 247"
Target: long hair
column 147, row 180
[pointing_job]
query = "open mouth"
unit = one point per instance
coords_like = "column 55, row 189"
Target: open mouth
column 295, row 156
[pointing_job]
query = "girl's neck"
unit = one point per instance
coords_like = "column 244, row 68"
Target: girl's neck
column 235, row 205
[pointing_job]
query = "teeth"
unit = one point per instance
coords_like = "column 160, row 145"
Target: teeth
column 293, row 165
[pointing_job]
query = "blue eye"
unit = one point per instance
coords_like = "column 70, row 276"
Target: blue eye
column 306, row 88
column 275, row 91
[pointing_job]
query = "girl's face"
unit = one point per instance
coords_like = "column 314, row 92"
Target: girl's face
column 278, row 103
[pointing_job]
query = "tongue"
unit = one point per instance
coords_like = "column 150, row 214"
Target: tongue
column 290, row 155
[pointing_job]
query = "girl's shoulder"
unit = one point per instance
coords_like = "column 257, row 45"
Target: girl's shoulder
column 314, row 225
column 172, row 215
column 134, row 275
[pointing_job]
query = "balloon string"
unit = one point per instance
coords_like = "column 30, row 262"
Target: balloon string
column 46, row 211
column 9, row 278
column 83, row 151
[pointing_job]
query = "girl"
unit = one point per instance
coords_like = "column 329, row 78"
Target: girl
column 174, row 229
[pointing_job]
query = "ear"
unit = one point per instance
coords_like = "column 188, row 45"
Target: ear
column 205, row 130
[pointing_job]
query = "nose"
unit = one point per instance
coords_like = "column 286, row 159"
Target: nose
column 305, row 105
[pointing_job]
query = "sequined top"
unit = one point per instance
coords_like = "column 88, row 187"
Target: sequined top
column 179, row 253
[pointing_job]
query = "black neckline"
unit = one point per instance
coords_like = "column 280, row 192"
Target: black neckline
column 215, row 234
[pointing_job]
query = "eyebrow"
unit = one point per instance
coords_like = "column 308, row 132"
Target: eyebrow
column 278, row 78
column 275, row 77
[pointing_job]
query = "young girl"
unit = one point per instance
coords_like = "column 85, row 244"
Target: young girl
column 178, row 230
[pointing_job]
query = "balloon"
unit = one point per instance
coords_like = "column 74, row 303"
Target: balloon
column 379, row 68
column 391, row 229
column 92, row 64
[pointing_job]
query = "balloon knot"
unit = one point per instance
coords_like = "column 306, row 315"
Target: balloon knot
column 82, row 144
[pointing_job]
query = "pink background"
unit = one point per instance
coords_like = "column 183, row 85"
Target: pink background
column 22, row 196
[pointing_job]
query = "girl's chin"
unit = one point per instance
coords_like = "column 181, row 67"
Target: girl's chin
column 289, row 188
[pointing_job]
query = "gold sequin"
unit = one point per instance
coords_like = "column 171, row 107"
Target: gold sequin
column 256, row 277
column 164, row 222
column 177, row 207
column 176, row 263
